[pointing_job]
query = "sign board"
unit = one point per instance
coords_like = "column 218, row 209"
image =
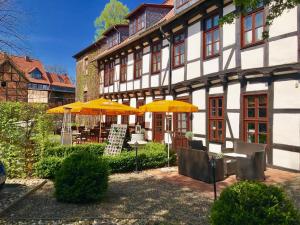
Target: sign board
column 116, row 139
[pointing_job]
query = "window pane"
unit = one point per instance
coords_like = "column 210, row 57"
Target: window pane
column 262, row 101
column 248, row 37
column 262, row 112
column 216, row 21
column 176, row 61
column 259, row 19
column 208, row 50
column 208, row 24
column 259, row 34
column 251, row 112
column 251, row 138
column 251, row 128
column 220, row 125
column 220, row 135
column 213, row 102
column 208, row 38
column 262, row 128
column 220, row 112
column 181, row 59
column 248, row 23
column 262, row 138
column 216, row 35
column 216, row 47
column 251, row 101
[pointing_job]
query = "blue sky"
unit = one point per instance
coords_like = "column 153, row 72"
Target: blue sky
column 57, row 29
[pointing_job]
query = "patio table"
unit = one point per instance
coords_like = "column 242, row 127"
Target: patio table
column 235, row 155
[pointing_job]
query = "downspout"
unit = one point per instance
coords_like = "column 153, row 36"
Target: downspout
column 169, row 39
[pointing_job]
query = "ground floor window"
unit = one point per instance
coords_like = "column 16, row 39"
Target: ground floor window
column 256, row 118
column 125, row 119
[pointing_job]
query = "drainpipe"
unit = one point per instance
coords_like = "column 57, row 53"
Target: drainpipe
column 170, row 58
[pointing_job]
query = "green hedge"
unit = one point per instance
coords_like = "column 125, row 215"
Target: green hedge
column 65, row 150
column 153, row 155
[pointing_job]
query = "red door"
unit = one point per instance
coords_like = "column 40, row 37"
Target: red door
column 158, row 126
column 181, row 126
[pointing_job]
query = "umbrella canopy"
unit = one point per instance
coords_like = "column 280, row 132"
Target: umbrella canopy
column 169, row 106
column 75, row 108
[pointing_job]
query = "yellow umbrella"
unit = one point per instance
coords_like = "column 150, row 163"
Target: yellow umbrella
column 168, row 106
column 75, row 108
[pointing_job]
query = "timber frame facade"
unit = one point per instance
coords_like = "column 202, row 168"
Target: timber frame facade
column 244, row 92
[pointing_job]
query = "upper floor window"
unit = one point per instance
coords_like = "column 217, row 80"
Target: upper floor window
column 109, row 73
column 156, row 58
column 211, row 37
column 216, row 119
column 112, row 40
column 137, row 24
column 123, row 69
column 138, row 63
column 253, row 26
column 180, row 2
column 178, row 50
column 36, row 74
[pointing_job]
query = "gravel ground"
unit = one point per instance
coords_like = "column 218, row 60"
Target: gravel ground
column 131, row 199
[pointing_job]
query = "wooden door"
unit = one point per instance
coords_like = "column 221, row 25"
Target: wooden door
column 158, row 126
column 181, row 123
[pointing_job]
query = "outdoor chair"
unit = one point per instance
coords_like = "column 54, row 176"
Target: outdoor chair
column 197, row 145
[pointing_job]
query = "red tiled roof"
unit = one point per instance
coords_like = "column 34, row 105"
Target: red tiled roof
column 61, row 80
column 26, row 65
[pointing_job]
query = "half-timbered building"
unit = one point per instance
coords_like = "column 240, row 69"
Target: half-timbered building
column 246, row 87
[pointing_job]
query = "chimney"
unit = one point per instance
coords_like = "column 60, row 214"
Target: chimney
column 27, row 58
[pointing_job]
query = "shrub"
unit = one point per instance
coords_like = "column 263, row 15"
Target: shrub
column 65, row 150
column 47, row 167
column 251, row 203
column 82, row 178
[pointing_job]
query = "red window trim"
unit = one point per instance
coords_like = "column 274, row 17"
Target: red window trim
column 216, row 118
column 211, row 30
column 182, row 42
column 123, row 67
column 252, row 14
column 154, row 54
column 256, row 119
column 138, row 62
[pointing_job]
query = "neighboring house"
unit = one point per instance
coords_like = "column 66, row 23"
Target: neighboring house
column 246, row 88
column 25, row 79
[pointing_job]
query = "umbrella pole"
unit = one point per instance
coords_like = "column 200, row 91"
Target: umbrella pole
column 168, row 142
column 100, row 126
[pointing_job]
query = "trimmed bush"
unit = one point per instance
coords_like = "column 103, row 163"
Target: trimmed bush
column 251, row 203
column 82, row 178
column 47, row 167
column 65, row 150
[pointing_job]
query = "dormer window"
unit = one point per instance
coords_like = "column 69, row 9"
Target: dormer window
column 137, row 24
column 113, row 40
column 36, row 74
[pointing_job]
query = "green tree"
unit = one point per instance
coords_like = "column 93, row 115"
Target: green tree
column 113, row 13
column 276, row 8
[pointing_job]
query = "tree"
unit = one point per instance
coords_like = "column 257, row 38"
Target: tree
column 276, row 8
column 11, row 39
column 113, row 13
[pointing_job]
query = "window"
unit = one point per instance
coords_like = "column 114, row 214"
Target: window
column 156, row 58
column 137, row 24
column 36, row 74
column 256, row 119
column 253, row 26
column 211, row 37
column 109, row 73
column 140, row 119
column 113, row 40
column 216, row 119
column 125, row 119
column 123, row 69
column 178, row 50
column 180, row 3
column 138, row 64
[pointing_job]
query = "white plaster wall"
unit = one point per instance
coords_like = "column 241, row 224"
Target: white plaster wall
column 199, row 123
column 123, row 87
column 233, row 96
column 178, row 75
column 286, row 23
column 169, row 97
column 165, row 42
column 256, row 86
column 164, row 77
column 148, row 115
column 199, row 98
column 154, row 80
column 137, row 84
column 130, row 59
column 119, row 118
column 132, row 104
column 286, row 159
column 111, row 88
column 183, row 95
column 116, row 84
column 211, row 66
column 227, row 58
column 229, row 29
column 229, row 144
column 193, row 41
column 129, row 85
column 228, row 9
column 146, row 63
column 216, row 90
column 130, row 72
column 145, row 81
column 286, row 94
column 165, row 57
column 216, row 148
column 252, row 58
column 234, row 119
column 105, row 89
column 193, row 70
column 146, row 50
column 117, row 72
column 286, row 129
column 283, row 51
